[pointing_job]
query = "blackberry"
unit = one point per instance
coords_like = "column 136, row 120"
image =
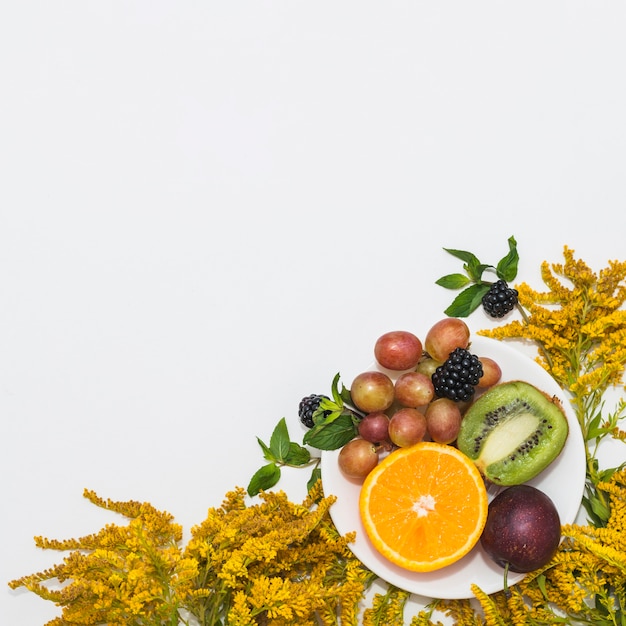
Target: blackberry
column 308, row 406
column 458, row 376
column 500, row 299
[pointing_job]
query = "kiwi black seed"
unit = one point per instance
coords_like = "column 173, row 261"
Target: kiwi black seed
column 512, row 432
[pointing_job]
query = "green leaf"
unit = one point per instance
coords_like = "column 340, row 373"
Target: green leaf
column 541, row 583
column 475, row 270
column 472, row 265
column 316, row 475
column 264, row 478
column 507, row 266
column 600, row 509
column 297, row 455
column 267, row 453
column 453, row 281
column 465, row 256
column 321, row 417
column 345, row 395
column 593, row 428
column 591, row 516
column 335, row 390
column 606, row 474
column 333, row 435
column 279, row 441
column 467, row 301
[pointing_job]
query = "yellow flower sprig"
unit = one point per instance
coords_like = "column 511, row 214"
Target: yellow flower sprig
column 120, row 575
column 275, row 559
column 579, row 325
column 274, row 562
column 387, row 608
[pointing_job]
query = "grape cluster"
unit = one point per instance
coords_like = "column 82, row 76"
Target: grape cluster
column 426, row 401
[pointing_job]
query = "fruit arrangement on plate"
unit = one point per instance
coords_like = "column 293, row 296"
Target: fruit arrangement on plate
column 419, row 448
column 441, row 457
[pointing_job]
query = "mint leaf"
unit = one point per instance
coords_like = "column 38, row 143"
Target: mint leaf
column 331, row 409
column 507, row 266
column 279, row 441
column 453, row 281
column 263, row 479
column 267, row 453
column 335, row 390
column 325, row 414
column 471, row 265
column 297, row 455
column 345, row 395
column 467, row 301
column 472, row 283
column 333, row 435
column 475, row 270
column 465, row 256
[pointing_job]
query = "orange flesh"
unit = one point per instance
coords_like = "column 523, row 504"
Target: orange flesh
column 424, row 507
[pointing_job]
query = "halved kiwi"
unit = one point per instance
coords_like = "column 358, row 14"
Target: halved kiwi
column 512, row 432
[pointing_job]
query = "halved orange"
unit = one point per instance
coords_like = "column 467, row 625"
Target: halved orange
column 424, row 506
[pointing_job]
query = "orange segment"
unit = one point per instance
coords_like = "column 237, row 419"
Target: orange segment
column 424, row 507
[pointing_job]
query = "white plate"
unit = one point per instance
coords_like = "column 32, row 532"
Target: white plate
column 563, row 481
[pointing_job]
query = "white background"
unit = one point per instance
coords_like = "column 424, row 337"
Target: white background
column 207, row 209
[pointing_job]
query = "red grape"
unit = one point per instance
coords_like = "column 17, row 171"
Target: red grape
column 398, row 350
column 446, row 335
column 374, row 427
column 443, row 420
column 372, row 391
column 414, row 389
column 358, row 458
column 407, row 426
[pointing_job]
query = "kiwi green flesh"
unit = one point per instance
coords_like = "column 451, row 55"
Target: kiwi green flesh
column 513, row 432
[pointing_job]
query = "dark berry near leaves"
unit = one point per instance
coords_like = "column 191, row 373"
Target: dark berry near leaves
column 500, row 299
column 308, row 406
column 458, row 376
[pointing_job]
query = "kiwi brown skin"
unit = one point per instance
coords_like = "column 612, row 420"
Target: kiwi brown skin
column 512, row 432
